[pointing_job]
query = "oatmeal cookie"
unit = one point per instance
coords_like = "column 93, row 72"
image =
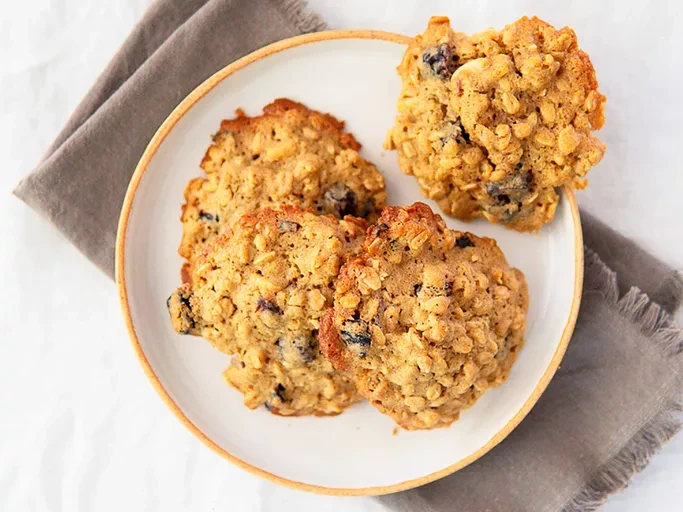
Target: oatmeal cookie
column 287, row 155
column 494, row 124
column 258, row 292
column 426, row 319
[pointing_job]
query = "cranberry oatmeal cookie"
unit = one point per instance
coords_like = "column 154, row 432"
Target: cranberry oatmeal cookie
column 426, row 319
column 258, row 292
column 494, row 124
column 287, row 155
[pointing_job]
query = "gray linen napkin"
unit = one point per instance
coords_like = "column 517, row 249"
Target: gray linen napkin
column 613, row 402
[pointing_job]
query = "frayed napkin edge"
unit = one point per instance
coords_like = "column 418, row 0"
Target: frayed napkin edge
column 635, row 306
column 298, row 12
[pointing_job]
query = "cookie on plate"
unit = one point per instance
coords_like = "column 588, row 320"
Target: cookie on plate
column 258, row 292
column 494, row 124
column 426, row 319
column 288, row 155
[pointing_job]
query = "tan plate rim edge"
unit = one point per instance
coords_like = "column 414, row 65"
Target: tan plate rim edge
column 154, row 144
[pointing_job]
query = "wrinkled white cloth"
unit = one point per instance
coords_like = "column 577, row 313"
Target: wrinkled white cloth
column 81, row 429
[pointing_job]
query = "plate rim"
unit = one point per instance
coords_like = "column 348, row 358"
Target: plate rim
column 185, row 105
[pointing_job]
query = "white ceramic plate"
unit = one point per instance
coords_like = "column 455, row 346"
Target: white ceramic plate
column 350, row 74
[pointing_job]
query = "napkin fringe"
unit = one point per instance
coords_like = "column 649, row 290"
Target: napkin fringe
column 653, row 321
column 599, row 277
column 297, row 12
column 616, row 474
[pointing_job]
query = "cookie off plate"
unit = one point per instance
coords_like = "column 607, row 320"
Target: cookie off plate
column 357, row 452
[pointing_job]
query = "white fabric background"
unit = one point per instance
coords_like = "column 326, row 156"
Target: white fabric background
column 81, row 429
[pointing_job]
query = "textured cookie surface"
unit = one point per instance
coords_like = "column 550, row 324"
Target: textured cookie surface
column 258, row 292
column 288, row 155
column 493, row 124
column 426, row 319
